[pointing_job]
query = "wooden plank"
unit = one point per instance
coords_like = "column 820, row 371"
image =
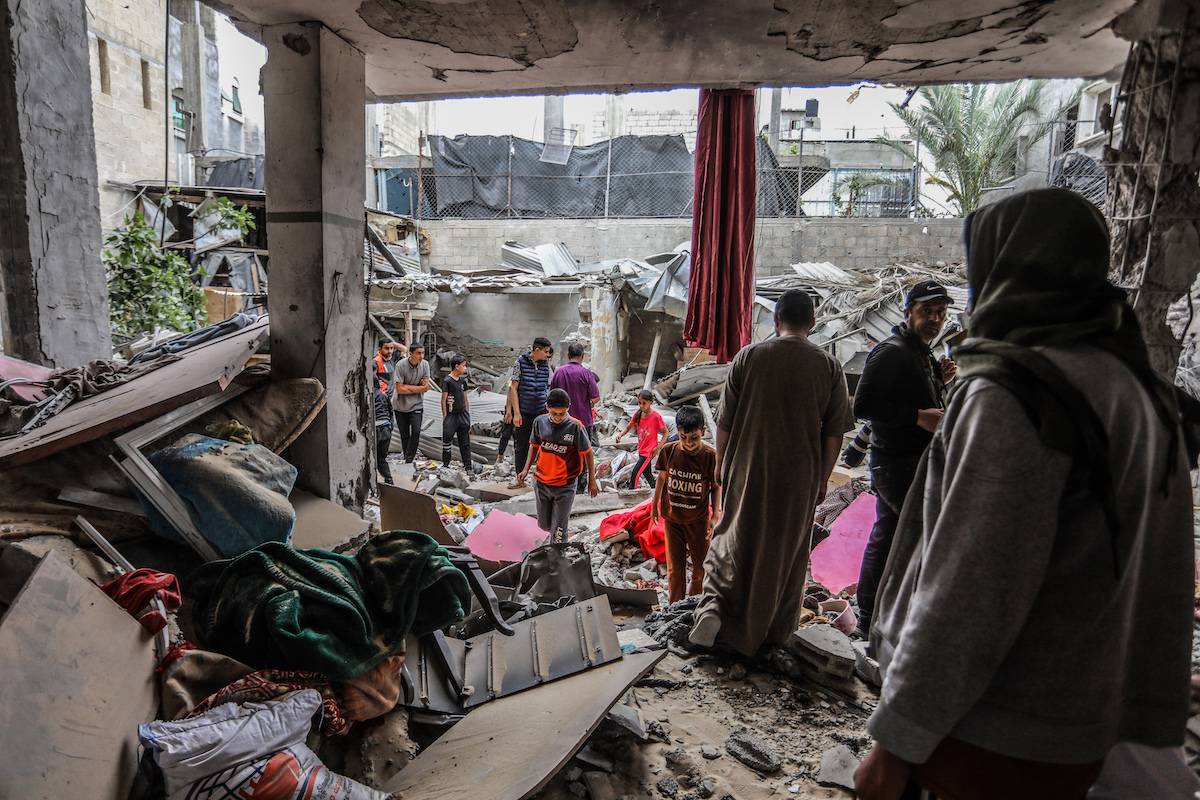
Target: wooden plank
column 321, row 523
column 78, row 680
column 201, row 371
column 403, row 510
column 509, row 749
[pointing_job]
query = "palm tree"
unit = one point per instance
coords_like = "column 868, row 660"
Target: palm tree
column 857, row 187
column 972, row 133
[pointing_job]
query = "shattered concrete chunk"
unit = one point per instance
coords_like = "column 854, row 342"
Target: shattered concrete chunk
column 707, row 788
column 630, row 719
column 710, row 752
column 667, row 787
column 752, row 751
column 824, row 649
column 866, row 667
column 837, row 767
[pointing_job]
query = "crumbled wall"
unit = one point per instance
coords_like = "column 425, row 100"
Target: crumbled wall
column 849, row 243
column 56, row 309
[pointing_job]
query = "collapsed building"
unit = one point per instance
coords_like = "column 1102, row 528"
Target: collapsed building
column 100, row 478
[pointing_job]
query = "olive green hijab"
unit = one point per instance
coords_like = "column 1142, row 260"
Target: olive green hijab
column 1037, row 266
column 1037, row 271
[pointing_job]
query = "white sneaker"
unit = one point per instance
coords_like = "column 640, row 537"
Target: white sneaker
column 705, row 629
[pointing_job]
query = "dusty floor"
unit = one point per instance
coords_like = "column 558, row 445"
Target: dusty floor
column 699, row 705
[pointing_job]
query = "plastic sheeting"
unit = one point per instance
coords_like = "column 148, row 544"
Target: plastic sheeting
column 837, row 561
column 642, row 176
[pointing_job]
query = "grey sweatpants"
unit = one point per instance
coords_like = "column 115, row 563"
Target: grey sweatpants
column 554, row 506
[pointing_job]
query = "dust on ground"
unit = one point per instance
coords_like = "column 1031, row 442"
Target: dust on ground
column 699, row 702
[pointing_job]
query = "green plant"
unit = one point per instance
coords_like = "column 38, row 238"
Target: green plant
column 233, row 217
column 148, row 287
column 855, row 184
column 972, row 133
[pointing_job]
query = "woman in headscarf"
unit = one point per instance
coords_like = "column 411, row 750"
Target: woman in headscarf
column 1037, row 605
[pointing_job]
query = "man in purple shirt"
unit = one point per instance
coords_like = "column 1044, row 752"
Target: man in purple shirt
column 579, row 383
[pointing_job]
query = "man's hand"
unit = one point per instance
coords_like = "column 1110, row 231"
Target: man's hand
column 593, row 487
column 881, row 776
column 949, row 369
column 929, row 418
column 516, row 418
column 522, row 475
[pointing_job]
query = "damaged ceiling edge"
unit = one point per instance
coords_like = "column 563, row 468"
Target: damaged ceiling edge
column 419, row 50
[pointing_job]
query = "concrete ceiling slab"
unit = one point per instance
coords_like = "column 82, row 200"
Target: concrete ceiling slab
column 458, row 48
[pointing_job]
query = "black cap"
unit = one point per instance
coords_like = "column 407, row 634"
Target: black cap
column 927, row 290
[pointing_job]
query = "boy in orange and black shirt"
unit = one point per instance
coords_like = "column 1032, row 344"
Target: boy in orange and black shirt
column 687, row 489
column 558, row 452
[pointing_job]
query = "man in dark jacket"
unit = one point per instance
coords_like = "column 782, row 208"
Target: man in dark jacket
column 902, row 395
column 527, row 393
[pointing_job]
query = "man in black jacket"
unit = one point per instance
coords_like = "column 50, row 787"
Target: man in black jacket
column 902, row 394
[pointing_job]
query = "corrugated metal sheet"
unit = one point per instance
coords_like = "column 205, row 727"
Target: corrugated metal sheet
column 557, row 261
column 824, row 272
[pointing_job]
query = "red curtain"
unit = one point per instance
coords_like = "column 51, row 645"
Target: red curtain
column 721, row 286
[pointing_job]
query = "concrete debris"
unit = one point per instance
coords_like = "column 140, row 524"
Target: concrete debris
column 600, row 786
column 668, row 787
column 592, row 757
column 823, row 649
column 753, row 751
column 837, row 767
column 709, row 752
column 630, row 719
column 866, row 667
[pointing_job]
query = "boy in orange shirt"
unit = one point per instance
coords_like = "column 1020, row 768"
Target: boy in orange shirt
column 559, row 451
column 686, row 492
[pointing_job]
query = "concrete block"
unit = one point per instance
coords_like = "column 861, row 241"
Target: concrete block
column 837, row 767
column 825, row 648
column 865, row 667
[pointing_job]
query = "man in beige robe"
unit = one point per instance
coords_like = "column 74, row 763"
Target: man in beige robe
column 783, row 415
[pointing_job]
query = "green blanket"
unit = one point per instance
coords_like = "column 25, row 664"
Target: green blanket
column 275, row 607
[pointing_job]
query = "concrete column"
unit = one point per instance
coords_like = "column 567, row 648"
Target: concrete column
column 314, row 92
column 1155, row 221
column 55, row 304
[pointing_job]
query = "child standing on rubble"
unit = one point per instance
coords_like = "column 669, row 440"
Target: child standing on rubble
column 456, row 415
column 651, row 434
column 559, row 451
column 687, row 499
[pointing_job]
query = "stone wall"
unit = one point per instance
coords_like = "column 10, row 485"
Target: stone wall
column 54, row 309
column 848, row 243
column 129, row 136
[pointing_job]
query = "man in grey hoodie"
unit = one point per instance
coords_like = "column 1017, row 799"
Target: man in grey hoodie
column 1037, row 605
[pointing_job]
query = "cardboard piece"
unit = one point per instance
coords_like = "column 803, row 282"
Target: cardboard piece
column 78, row 680
column 405, row 510
column 321, row 523
column 509, row 749
column 837, row 560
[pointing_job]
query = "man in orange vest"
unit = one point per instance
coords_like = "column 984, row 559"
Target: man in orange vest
column 385, row 367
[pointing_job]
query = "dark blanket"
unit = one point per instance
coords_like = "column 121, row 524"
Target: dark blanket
column 236, row 494
column 280, row 608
